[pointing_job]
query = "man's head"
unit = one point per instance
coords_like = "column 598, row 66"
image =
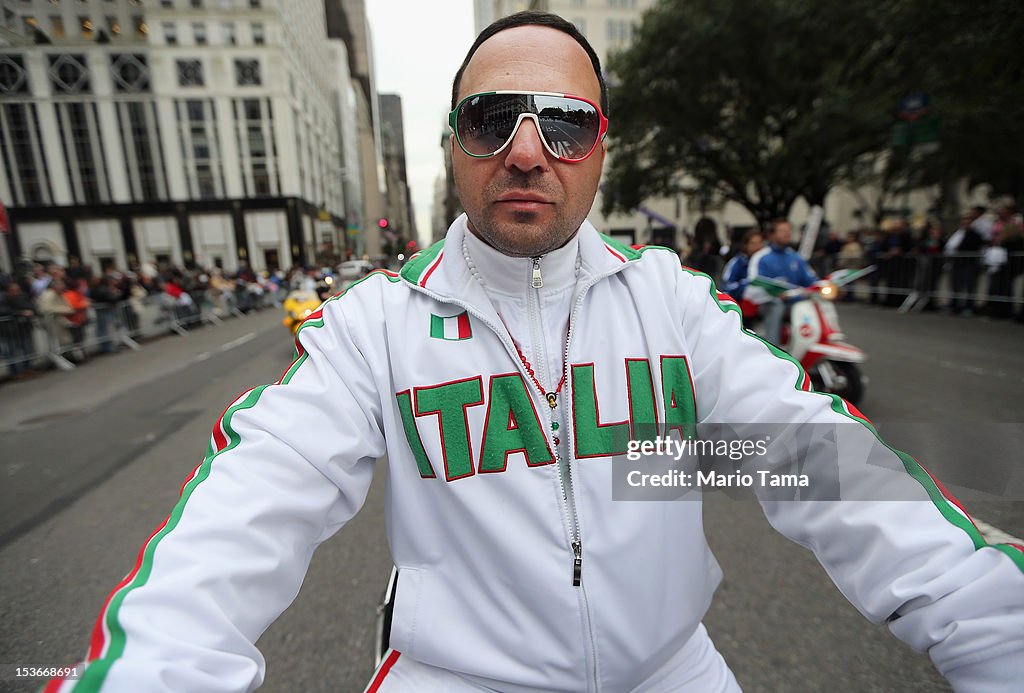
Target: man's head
column 523, row 201
column 781, row 233
column 752, row 242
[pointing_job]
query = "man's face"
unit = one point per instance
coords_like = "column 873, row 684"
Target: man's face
column 783, row 234
column 754, row 244
column 523, row 201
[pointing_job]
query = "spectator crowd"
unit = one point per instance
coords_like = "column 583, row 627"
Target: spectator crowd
column 82, row 313
column 976, row 269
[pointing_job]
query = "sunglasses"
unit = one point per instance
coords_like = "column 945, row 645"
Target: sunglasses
column 570, row 126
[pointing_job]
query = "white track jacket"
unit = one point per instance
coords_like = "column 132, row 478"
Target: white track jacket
column 518, row 570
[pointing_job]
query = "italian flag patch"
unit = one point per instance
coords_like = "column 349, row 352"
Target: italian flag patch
column 453, row 328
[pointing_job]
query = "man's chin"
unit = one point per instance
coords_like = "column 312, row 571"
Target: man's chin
column 522, row 240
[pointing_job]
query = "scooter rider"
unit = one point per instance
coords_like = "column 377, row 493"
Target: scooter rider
column 736, row 272
column 499, row 378
column 776, row 261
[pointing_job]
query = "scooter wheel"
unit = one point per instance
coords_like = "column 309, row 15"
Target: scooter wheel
column 845, row 378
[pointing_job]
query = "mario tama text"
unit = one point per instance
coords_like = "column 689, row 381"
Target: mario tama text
column 714, row 478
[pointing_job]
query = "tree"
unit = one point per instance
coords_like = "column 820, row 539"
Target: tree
column 765, row 101
column 969, row 59
column 762, row 101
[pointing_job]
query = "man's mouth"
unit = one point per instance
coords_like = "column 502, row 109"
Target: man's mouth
column 523, row 201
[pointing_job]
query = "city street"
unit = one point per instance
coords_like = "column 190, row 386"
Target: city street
column 94, row 459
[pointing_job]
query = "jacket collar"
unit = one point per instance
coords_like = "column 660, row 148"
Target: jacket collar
column 512, row 276
column 441, row 269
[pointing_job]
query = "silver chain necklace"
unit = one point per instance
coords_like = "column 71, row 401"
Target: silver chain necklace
column 550, row 396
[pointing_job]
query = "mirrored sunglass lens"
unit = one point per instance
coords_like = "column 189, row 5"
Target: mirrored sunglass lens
column 485, row 122
column 570, row 126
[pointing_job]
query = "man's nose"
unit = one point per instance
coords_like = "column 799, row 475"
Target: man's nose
column 526, row 151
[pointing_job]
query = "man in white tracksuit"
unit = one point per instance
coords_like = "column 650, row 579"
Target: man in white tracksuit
column 500, row 373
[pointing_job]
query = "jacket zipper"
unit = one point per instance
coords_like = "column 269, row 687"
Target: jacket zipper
column 564, row 465
column 577, row 544
column 564, row 469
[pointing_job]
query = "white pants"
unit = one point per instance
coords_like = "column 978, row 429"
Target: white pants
column 696, row 668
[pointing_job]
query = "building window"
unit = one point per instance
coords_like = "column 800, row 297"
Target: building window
column 141, row 28
column 22, row 155
column 13, row 76
column 579, row 3
column 197, row 4
column 257, row 151
column 87, row 27
column 69, row 74
column 140, row 138
column 83, row 151
column 255, row 4
column 166, row 3
column 57, row 26
column 258, row 36
column 170, row 33
column 130, row 73
column 620, row 30
column 113, row 25
column 199, row 31
column 227, row 30
column 190, row 73
column 198, row 131
column 247, row 73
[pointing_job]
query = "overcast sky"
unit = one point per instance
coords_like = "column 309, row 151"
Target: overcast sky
column 418, row 46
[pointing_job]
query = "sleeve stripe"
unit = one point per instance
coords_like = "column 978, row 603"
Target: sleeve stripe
column 108, row 638
column 947, row 505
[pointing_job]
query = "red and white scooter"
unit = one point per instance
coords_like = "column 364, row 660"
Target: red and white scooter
column 814, row 338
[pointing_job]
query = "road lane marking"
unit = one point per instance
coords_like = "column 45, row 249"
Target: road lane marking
column 978, row 370
column 994, row 535
column 238, row 342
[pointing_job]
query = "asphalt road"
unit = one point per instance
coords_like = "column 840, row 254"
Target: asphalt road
column 94, row 459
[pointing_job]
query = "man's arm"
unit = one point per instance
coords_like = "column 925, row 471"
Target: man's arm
column 734, row 278
column 807, row 274
column 894, row 543
column 287, row 465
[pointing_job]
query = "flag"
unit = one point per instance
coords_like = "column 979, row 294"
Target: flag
column 5, row 224
column 453, row 328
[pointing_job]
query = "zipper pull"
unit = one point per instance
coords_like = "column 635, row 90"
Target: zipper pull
column 577, row 564
column 537, row 281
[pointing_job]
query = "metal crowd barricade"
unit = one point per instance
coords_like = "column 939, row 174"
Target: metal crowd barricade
column 23, row 343
column 27, row 343
column 957, row 282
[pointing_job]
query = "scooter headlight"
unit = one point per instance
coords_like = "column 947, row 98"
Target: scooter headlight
column 829, row 291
